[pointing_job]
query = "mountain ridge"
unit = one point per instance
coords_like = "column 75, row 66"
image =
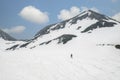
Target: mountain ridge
column 84, row 23
column 6, row 36
column 85, row 14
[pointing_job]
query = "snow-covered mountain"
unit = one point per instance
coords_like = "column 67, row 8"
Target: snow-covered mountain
column 85, row 47
column 7, row 41
column 88, row 22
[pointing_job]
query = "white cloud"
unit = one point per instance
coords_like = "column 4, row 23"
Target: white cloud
column 34, row 15
column 15, row 30
column 86, row 8
column 67, row 14
column 117, row 16
column 114, row 0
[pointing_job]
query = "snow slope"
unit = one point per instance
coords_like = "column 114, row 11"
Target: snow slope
column 4, row 44
column 7, row 41
column 48, row 55
column 53, row 62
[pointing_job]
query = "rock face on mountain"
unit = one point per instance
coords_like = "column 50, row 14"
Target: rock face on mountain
column 62, row 39
column 6, row 36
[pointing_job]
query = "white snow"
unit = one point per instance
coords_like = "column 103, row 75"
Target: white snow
column 4, row 44
column 53, row 62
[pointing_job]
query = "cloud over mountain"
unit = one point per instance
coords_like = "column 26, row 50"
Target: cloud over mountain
column 15, row 30
column 67, row 14
column 32, row 14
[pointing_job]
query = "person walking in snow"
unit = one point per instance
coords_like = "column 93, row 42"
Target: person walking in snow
column 71, row 55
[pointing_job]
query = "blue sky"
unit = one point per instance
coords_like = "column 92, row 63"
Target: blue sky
column 17, row 20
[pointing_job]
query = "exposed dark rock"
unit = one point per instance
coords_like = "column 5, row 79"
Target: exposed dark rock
column 62, row 39
column 78, row 27
column 44, row 31
column 49, row 28
column 99, row 24
column 32, row 47
column 24, row 45
column 46, row 42
column 13, row 47
column 117, row 46
column 65, row 38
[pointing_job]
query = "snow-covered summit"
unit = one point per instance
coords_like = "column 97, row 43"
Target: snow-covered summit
column 93, row 15
column 89, row 15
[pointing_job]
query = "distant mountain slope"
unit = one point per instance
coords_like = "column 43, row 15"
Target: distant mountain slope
column 6, row 36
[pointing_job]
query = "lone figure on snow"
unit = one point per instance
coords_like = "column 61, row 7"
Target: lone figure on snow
column 71, row 55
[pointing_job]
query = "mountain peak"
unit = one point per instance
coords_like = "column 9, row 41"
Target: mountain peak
column 89, row 11
column 92, row 15
column 94, row 20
